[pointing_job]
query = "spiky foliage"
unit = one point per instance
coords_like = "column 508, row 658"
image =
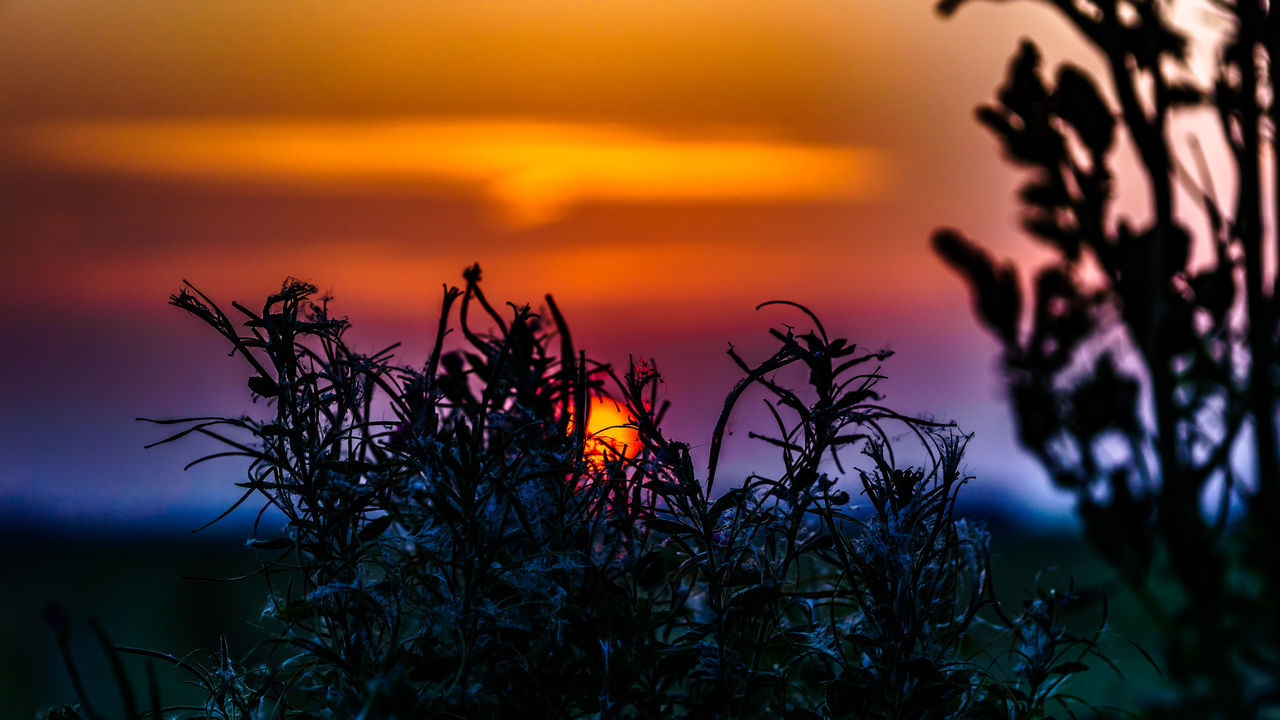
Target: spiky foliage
column 1145, row 374
column 454, row 546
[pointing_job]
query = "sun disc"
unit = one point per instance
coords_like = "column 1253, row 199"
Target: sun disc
column 610, row 431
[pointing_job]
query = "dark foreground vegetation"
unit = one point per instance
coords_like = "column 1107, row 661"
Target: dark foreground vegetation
column 136, row 585
column 457, row 546
column 1145, row 378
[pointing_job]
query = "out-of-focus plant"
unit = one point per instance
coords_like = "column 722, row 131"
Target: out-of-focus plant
column 1149, row 362
column 456, row 546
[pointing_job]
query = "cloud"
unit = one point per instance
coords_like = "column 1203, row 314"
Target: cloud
column 532, row 171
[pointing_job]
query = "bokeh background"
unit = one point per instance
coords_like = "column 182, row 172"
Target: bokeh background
column 660, row 167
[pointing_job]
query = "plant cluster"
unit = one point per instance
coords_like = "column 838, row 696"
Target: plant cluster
column 454, row 548
column 1146, row 371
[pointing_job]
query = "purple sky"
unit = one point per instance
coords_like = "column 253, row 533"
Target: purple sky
column 660, row 170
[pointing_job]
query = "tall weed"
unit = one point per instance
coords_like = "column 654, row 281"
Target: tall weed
column 456, row 545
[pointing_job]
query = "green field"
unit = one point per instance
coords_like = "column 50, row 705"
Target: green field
column 132, row 585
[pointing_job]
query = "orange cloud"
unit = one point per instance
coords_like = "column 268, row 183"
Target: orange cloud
column 532, row 171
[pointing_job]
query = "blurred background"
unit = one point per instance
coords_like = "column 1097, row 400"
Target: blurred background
column 660, row 167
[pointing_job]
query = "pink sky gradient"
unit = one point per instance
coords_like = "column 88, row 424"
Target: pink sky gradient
column 579, row 148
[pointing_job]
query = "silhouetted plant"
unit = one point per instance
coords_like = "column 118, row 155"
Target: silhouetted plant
column 1144, row 369
column 452, row 548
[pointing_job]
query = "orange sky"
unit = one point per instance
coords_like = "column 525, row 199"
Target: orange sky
column 537, row 111
column 660, row 166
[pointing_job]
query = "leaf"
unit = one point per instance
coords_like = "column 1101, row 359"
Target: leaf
column 1043, row 194
column 756, row 598
column 821, row 542
column 1048, row 228
column 666, row 488
column 263, row 386
column 997, row 122
column 669, row 527
column 924, row 669
column 1038, row 413
column 1148, row 658
column 275, row 430
column 294, row 611
column 722, row 503
column 1185, row 95
column 348, row 467
column 946, row 8
column 1078, row 102
column 127, row 698
column 374, row 528
column 273, row 544
column 1215, row 290
column 1106, row 399
column 996, row 296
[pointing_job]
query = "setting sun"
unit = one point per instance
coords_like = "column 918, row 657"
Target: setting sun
column 609, row 432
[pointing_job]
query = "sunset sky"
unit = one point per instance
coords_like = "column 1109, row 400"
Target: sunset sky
column 661, row 167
